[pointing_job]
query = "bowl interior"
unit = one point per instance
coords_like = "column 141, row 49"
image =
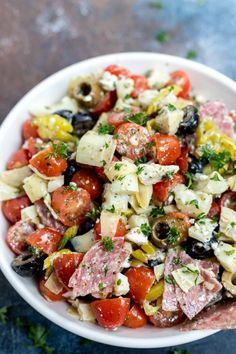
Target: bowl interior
column 206, row 82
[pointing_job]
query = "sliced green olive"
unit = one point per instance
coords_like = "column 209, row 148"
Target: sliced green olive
column 86, row 90
column 229, row 282
column 170, row 230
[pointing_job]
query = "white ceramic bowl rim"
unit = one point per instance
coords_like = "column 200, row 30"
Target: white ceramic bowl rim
column 107, row 337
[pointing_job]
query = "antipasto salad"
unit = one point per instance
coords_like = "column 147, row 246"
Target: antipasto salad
column 122, row 202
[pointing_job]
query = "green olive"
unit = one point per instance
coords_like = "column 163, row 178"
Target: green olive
column 86, row 90
column 229, row 282
column 170, row 230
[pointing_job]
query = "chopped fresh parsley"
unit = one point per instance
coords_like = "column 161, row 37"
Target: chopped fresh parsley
column 38, row 334
column 190, row 179
column 171, row 107
column 233, row 223
column 139, row 170
column 163, row 37
column 143, row 159
column 108, row 243
column 106, row 145
column 120, row 178
column 168, row 175
column 101, row 286
column 169, row 280
column 127, row 97
column 106, row 268
column 192, row 54
column 116, row 136
column 117, row 166
column 59, row 150
column 217, row 160
column 103, row 163
column 112, row 209
column 201, row 216
column 173, row 235
column 3, row 314
column 177, row 261
column 215, row 177
column 118, row 282
column 146, row 229
column 150, row 144
column 229, row 253
column 94, row 214
column 158, row 211
column 179, row 351
column 193, row 271
column 158, row 4
column 194, row 202
column 140, row 118
column 105, row 128
column 72, row 186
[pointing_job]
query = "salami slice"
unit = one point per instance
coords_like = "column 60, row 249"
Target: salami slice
column 17, row 234
column 46, row 217
column 219, row 114
column 218, row 316
column 96, row 274
column 169, row 300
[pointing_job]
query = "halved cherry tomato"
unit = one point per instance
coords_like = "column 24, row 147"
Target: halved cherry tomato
column 34, row 146
column 161, row 189
column 111, row 313
column 118, row 70
column 48, row 163
column 182, row 161
column 168, row 149
column 132, row 140
column 86, row 178
column 29, row 130
column 118, row 118
column 100, row 170
column 71, row 205
column 215, row 210
column 106, row 104
column 136, row 317
column 49, row 295
column 45, row 240
column 140, row 280
column 181, row 79
column 228, row 199
column 17, row 235
column 20, row 158
column 167, row 319
column 12, row 208
column 140, row 85
column 120, row 231
column 65, row 265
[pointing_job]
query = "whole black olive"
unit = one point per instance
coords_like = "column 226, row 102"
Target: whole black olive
column 199, row 250
column 82, row 122
column 72, row 167
column 87, row 226
column 27, row 264
column 195, row 165
column 154, row 262
column 190, row 121
column 64, row 113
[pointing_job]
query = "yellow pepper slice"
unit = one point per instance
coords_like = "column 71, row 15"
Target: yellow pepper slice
column 140, row 256
column 49, row 260
column 149, row 248
column 156, row 291
column 54, row 127
column 136, row 263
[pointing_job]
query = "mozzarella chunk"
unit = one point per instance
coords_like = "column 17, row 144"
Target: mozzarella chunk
column 146, row 97
column 127, row 185
column 35, row 187
column 116, row 170
column 159, row 271
column 81, row 310
column 67, row 103
column 228, row 222
column 56, row 183
column 108, row 81
column 124, row 87
column 138, row 220
column 158, row 78
column 170, row 98
column 212, row 184
column 109, row 222
column 168, row 120
column 121, row 286
column 83, row 243
column 30, row 214
column 202, row 230
column 190, row 202
column 152, row 173
column 187, row 277
column 123, row 105
column 232, row 183
column 135, row 235
column 15, row 176
column 103, row 119
column 95, row 149
column 119, row 201
column 226, row 255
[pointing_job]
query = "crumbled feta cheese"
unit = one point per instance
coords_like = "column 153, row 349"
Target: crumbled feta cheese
column 187, row 276
column 126, row 185
column 202, row 229
column 119, row 201
column 228, row 222
column 138, row 220
column 121, row 286
column 168, row 121
column 124, row 87
column 158, row 78
column 152, row 173
column 135, row 235
column 146, row 97
column 226, row 255
column 212, row 184
column 30, row 214
column 108, row 81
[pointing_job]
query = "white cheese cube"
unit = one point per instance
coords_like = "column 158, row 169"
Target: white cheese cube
column 158, row 78
column 152, row 173
column 146, row 97
column 119, row 201
column 81, row 310
column 138, row 220
column 124, row 87
column 108, row 81
column 168, row 120
column 232, row 183
column 95, row 149
column 159, row 271
column 35, row 187
column 56, row 183
column 202, row 230
column 228, row 222
column 135, row 235
column 212, row 184
column 190, row 202
column 126, row 185
column 123, row 105
column 188, row 276
column 121, row 286
column 30, row 214
column 226, row 255
column 109, row 222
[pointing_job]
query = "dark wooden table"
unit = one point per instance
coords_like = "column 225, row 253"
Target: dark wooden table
column 38, row 38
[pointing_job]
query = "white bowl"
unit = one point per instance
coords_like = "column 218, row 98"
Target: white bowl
column 206, row 82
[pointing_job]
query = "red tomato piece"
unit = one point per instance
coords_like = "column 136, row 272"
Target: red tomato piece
column 136, row 317
column 100, row 170
column 161, row 189
column 118, row 70
column 132, row 140
column 118, row 118
column 19, row 159
column 182, row 161
column 71, row 205
column 168, row 149
column 47, row 294
column 12, row 208
column 65, row 265
column 48, row 163
column 214, row 211
column 29, row 130
column 34, row 146
column 140, row 84
column 17, row 235
column 86, row 178
column 140, row 280
column 228, row 199
column 120, row 231
column 167, row 319
column 106, row 104
column 45, row 240
column 181, row 79
column 111, row 313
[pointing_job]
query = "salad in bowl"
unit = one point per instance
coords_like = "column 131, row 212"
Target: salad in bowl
column 121, row 201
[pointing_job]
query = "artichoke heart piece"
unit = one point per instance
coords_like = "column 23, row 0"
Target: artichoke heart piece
column 155, row 105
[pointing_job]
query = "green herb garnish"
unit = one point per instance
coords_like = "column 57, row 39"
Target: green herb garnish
column 59, row 150
column 194, row 202
column 112, row 209
column 38, row 334
column 158, row 211
column 169, row 280
column 117, row 166
column 201, row 216
column 158, row 4
column 146, row 229
column 3, row 314
column 139, row 170
column 94, row 214
column 217, row 160
column 215, row 177
column 173, row 235
column 192, row 54
column 108, row 243
column 101, row 286
column 143, row 159
column 171, row 107
column 140, row 118
column 118, row 282
column 190, row 179
column 72, row 186
column 168, row 175
column 105, row 128
column 163, row 37
column 230, row 252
